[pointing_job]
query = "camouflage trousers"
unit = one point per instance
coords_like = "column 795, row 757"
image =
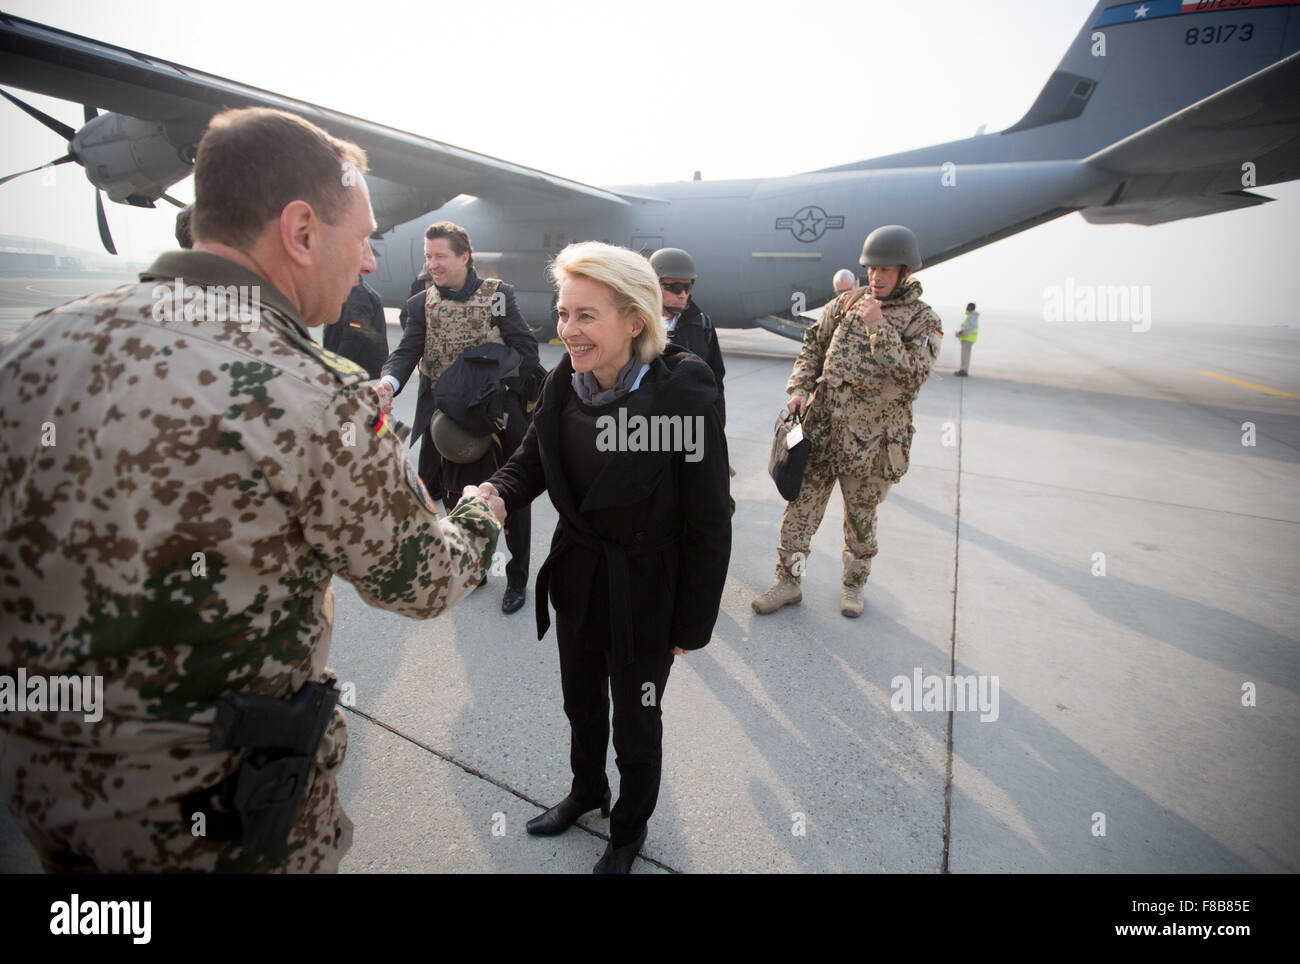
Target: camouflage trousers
column 802, row 517
column 159, row 840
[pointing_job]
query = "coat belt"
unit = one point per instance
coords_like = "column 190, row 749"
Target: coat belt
column 620, row 584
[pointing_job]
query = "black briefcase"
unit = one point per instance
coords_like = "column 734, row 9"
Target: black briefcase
column 787, row 461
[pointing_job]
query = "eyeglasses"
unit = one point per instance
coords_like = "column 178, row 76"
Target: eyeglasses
column 677, row 287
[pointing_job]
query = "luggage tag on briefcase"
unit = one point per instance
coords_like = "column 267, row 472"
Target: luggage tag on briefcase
column 794, row 436
column 789, row 455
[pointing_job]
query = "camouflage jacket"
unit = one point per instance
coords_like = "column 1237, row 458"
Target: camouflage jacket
column 863, row 380
column 176, row 493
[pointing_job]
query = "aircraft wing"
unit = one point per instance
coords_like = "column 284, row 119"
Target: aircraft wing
column 1164, row 209
column 60, row 64
column 1197, row 161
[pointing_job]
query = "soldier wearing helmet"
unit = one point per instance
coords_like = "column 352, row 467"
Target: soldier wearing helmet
column 687, row 325
column 861, row 367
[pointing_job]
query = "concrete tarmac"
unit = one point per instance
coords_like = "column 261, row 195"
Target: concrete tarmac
column 1083, row 539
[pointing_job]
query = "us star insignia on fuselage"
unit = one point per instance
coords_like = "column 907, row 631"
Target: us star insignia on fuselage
column 809, row 223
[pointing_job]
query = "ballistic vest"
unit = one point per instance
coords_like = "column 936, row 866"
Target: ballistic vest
column 454, row 326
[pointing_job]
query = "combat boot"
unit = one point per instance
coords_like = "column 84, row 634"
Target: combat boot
column 851, row 601
column 784, row 592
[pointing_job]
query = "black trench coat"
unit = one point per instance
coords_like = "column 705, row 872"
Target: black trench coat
column 653, row 534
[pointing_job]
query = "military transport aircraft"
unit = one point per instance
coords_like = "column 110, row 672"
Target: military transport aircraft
column 1159, row 110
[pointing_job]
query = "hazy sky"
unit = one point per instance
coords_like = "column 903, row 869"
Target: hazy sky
column 615, row 93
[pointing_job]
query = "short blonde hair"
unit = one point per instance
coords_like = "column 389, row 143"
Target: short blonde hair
column 632, row 281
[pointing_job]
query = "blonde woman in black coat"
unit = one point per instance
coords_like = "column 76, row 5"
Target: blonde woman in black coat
column 627, row 441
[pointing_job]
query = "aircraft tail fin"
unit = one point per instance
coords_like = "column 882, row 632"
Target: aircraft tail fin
column 1199, row 160
column 1134, row 65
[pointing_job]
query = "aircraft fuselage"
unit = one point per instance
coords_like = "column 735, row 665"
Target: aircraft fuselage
column 762, row 246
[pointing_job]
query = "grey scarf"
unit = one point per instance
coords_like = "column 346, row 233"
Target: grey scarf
column 590, row 392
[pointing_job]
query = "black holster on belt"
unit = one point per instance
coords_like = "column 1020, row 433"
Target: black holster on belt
column 269, row 787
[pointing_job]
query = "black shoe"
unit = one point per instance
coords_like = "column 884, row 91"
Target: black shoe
column 619, row 861
column 563, row 815
column 961, row 372
column 513, row 600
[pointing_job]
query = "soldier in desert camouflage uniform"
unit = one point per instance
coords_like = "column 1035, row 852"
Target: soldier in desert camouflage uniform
column 182, row 472
column 861, row 366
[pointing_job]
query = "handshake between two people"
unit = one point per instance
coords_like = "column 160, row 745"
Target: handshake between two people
column 487, row 491
column 384, row 392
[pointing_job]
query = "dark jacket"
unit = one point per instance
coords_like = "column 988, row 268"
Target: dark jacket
column 696, row 334
column 361, row 333
column 654, row 531
column 480, row 393
column 404, row 359
column 472, row 391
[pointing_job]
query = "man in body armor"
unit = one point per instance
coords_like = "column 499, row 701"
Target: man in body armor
column 459, row 311
column 861, row 367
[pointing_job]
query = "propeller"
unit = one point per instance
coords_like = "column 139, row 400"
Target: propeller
column 101, row 217
column 67, row 133
column 60, row 128
column 31, row 170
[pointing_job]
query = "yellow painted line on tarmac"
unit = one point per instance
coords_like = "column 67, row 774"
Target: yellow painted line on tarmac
column 1258, row 388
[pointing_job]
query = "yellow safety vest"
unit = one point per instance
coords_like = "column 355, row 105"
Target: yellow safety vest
column 971, row 333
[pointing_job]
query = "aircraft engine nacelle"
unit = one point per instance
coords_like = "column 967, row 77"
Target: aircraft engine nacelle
column 395, row 203
column 134, row 161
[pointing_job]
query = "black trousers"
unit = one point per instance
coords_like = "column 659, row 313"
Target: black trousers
column 429, row 468
column 519, row 540
column 637, row 692
column 519, row 524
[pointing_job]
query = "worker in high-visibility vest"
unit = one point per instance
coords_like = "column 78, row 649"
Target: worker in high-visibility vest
column 970, row 331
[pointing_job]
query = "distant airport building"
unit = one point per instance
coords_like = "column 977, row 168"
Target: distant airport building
column 18, row 261
column 21, row 255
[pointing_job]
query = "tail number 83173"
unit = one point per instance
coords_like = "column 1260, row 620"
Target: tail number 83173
column 1218, row 35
